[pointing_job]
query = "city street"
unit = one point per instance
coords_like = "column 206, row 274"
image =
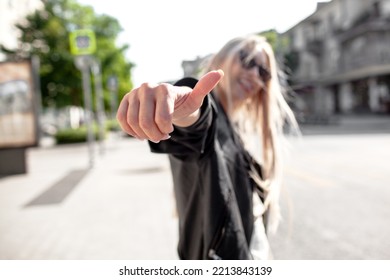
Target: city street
column 335, row 201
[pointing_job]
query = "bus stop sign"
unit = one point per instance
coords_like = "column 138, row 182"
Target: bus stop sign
column 82, row 42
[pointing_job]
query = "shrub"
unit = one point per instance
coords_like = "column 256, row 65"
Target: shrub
column 112, row 125
column 70, row 135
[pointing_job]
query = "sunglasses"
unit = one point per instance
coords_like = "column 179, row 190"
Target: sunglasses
column 263, row 72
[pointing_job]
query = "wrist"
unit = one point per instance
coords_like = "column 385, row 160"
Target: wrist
column 188, row 120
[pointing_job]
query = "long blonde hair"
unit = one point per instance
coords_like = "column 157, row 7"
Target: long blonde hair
column 264, row 116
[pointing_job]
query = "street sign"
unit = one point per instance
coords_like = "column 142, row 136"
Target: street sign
column 82, row 42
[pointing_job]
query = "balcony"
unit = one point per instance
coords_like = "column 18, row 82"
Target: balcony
column 315, row 47
column 371, row 25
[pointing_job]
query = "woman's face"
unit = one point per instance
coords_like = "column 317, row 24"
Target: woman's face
column 246, row 78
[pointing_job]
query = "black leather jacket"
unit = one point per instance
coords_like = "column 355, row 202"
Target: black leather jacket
column 212, row 187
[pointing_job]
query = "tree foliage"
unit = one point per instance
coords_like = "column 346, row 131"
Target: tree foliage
column 288, row 59
column 279, row 44
column 45, row 33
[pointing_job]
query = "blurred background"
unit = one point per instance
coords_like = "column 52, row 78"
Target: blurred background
column 73, row 186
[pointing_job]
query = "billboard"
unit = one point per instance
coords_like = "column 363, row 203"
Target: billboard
column 18, row 123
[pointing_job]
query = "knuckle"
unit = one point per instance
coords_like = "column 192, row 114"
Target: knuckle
column 132, row 120
column 164, row 88
column 131, row 94
column 146, row 123
column 147, row 91
column 163, row 116
column 144, row 86
column 164, row 122
column 132, row 115
column 143, row 91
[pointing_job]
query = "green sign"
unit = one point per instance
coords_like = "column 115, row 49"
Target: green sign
column 82, row 42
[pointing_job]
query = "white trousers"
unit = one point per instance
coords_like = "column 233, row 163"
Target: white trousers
column 259, row 245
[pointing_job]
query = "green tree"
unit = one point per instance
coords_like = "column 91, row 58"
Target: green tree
column 288, row 59
column 278, row 42
column 46, row 35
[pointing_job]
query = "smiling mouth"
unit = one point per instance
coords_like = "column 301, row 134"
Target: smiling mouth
column 246, row 85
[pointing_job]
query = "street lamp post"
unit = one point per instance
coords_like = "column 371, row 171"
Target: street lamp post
column 112, row 85
column 83, row 64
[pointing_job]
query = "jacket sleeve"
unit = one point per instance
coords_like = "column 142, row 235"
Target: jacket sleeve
column 196, row 139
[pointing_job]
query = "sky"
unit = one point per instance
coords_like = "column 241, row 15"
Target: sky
column 163, row 33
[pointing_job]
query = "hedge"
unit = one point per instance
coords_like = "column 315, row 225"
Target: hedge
column 78, row 135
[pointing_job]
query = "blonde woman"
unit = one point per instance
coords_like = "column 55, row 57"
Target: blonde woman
column 223, row 134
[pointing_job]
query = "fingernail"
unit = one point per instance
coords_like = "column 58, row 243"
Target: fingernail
column 166, row 137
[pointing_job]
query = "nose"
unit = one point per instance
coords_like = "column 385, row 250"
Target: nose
column 253, row 72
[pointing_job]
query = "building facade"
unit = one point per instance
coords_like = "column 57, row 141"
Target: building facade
column 340, row 58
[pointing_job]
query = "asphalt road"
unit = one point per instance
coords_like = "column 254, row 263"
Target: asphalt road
column 336, row 199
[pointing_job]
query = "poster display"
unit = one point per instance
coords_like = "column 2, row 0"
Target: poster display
column 18, row 125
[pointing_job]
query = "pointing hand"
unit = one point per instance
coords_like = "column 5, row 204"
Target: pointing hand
column 149, row 111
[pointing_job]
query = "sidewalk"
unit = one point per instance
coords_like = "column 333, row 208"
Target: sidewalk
column 350, row 125
column 48, row 214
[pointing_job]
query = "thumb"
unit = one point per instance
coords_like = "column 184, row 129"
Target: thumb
column 205, row 85
column 194, row 99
